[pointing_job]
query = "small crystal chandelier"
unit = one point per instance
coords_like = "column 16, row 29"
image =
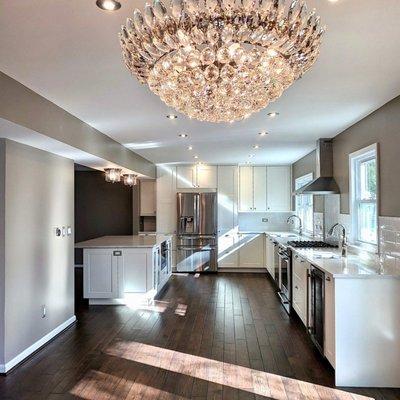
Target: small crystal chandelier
column 113, row 174
column 221, row 60
column 130, row 179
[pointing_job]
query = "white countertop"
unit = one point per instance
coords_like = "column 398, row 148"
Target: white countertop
column 134, row 241
column 351, row 267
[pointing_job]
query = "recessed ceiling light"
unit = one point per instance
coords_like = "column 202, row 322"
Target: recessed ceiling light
column 172, row 116
column 263, row 133
column 256, row 146
column 273, row 114
column 183, row 135
column 196, row 157
column 108, row 5
column 190, row 148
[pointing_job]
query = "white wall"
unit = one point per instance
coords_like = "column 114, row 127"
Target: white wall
column 276, row 221
column 39, row 195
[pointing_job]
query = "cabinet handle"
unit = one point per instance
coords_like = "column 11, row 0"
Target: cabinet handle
column 296, row 287
column 328, row 278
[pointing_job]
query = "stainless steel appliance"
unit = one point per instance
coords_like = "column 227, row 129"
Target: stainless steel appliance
column 197, row 242
column 316, row 301
column 285, row 277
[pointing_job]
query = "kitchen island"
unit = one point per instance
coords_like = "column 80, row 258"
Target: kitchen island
column 128, row 270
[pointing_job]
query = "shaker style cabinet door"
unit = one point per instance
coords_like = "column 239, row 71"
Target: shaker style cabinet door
column 260, row 188
column 102, row 274
column 279, row 188
column 246, row 189
column 148, row 204
column 185, row 177
column 206, row 177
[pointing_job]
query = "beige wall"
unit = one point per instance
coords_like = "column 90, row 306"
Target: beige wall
column 382, row 127
column 39, row 195
column 24, row 107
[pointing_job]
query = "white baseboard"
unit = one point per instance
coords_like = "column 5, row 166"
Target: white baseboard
column 37, row 345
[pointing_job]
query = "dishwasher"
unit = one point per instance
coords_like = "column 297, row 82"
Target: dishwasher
column 316, row 306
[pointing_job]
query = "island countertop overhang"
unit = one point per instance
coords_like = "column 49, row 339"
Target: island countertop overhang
column 131, row 241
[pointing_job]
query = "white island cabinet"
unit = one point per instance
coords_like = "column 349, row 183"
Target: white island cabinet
column 121, row 269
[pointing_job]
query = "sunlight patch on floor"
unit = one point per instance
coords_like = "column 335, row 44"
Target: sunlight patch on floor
column 235, row 376
column 100, row 385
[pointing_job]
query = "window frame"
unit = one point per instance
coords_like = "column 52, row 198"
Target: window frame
column 355, row 159
column 305, row 179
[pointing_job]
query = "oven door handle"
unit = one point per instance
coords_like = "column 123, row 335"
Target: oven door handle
column 283, row 299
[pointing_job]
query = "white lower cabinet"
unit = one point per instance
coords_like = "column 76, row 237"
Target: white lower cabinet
column 118, row 273
column 102, row 274
column 137, row 271
column 300, row 272
column 270, row 256
column 251, row 255
column 329, row 346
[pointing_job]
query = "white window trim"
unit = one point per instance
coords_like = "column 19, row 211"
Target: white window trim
column 309, row 178
column 353, row 157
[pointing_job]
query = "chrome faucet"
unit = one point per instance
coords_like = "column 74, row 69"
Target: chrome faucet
column 343, row 241
column 290, row 219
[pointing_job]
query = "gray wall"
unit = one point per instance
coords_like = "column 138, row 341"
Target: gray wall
column 302, row 167
column 382, row 127
column 102, row 208
column 2, row 244
column 24, row 107
column 39, row 195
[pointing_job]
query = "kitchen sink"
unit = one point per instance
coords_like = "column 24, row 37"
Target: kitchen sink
column 327, row 256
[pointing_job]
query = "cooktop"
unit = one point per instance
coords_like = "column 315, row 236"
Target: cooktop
column 311, row 244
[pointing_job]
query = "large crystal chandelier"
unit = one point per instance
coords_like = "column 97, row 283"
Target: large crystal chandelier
column 221, row 60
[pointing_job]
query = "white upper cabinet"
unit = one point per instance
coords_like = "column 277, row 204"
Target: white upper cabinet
column 246, row 189
column 279, row 188
column 227, row 179
column 252, row 189
column 186, row 177
column 227, row 198
column 148, row 204
column 264, row 189
column 260, row 189
column 196, row 176
column 206, row 176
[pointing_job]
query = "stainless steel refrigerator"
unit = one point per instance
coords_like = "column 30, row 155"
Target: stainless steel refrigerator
column 197, row 245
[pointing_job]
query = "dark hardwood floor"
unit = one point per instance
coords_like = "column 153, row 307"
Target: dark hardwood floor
column 214, row 337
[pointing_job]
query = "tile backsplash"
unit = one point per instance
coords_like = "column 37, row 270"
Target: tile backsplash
column 389, row 240
column 275, row 221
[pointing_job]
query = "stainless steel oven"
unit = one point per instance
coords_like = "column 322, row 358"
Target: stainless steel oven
column 285, row 277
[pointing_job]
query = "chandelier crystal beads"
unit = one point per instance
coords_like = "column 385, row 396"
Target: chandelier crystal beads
column 221, row 60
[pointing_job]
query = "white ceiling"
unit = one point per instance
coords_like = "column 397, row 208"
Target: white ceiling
column 68, row 51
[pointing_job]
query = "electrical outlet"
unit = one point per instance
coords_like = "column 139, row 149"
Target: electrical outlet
column 264, row 220
column 57, row 231
column 44, row 311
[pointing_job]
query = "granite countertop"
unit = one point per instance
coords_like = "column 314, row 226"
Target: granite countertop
column 134, row 241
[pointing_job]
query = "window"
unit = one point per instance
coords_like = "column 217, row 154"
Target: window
column 305, row 204
column 364, row 195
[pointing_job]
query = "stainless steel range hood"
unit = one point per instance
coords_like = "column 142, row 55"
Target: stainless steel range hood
column 324, row 182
